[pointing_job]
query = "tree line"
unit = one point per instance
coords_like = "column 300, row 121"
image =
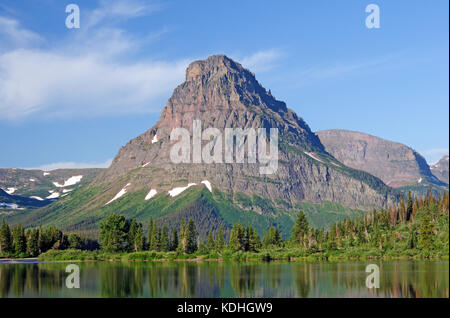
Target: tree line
column 419, row 223
column 414, row 224
column 32, row 242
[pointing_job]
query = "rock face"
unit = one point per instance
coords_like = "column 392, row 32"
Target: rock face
column 392, row 162
column 440, row 169
column 144, row 182
column 222, row 94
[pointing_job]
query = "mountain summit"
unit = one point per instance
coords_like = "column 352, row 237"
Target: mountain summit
column 440, row 169
column 219, row 93
column 396, row 164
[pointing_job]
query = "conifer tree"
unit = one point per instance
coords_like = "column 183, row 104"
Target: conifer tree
column 18, row 239
column 191, row 237
column 174, row 240
column 164, row 244
column 5, row 238
column 220, row 240
column 300, row 229
column 237, row 237
column 210, row 246
column 182, row 237
column 33, row 242
column 426, row 237
column 253, row 241
column 409, row 207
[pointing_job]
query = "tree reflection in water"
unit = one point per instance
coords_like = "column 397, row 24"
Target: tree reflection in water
column 227, row 279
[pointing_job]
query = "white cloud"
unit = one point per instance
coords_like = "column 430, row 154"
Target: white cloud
column 90, row 73
column 119, row 10
column 12, row 31
column 261, row 61
column 53, row 84
column 94, row 72
column 72, row 165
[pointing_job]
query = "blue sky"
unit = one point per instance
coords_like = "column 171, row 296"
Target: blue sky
column 72, row 97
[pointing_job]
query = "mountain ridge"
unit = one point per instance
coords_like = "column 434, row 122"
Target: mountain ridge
column 221, row 94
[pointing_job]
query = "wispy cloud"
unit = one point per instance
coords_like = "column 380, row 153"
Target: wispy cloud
column 11, row 31
column 89, row 73
column 340, row 69
column 261, row 61
column 120, row 10
column 54, row 84
column 92, row 71
column 72, row 165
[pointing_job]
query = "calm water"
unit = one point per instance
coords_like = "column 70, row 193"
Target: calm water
column 222, row 279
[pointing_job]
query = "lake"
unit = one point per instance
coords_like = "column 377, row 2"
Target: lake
column 226, row 279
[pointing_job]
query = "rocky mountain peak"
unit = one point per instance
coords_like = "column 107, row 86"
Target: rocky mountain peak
column 441, row 169
column 220, row 82
column 213, row 68
column 394, row 163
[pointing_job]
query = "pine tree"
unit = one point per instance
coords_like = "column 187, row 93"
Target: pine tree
column 253, row 241
column 220, row 240
column 164, row 244
column 132, row 234
column 139, row 238
column 5, row 238
column 33, row 242
column 409, row 207
column 191, row 237
column 237, row 237
column 300, row 229
column 412, row 240
column 114, row 233
column 332, row 238
column 153, row 236
column 402, row 210
column 426, row 237
column 210, row 246
column 18, row 239
column 182, row 237
column 73, row 240
column 174, row 240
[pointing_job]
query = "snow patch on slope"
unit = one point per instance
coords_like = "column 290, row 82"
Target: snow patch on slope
column 10, row 190
column 155, row 139
column 312, row 156
column 54, row 195
column 151, row 194
column 46, row 173
column 176, row 191
column 119, row 194
column 69, row 182
column 207, row 184
column 145, row 164
column 36, row 197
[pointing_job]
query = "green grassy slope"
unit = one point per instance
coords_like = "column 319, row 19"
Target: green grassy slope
column 80, row 213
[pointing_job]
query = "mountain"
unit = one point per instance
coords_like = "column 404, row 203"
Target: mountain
column 396, row 164
column 9, row 203
column 42, row 185
column 143, row 181
column 440, row 169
